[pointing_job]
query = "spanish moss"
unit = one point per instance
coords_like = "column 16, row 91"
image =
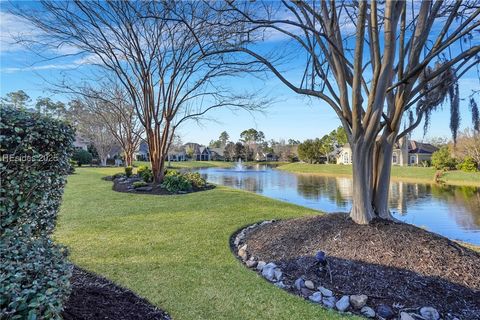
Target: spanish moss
column 475, row 115
column 454, row 94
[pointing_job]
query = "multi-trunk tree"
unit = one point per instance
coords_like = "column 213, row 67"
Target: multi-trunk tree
column 153, row 50
column 373, row 63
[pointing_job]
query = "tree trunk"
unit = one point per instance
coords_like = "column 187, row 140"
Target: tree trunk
column 103, row 161
column 362, row 209
column 382, row 169
column 128, row 158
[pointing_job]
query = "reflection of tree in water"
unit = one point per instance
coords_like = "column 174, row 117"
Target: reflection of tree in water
column 461, row 198
column 314, row 187
column 246, row 183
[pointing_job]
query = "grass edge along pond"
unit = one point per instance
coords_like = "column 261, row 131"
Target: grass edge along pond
column 413, row 174
column 174, row 250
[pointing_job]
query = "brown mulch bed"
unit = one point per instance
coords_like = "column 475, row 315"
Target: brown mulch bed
column 392, row 263
column 94, row 297
column 155, row 188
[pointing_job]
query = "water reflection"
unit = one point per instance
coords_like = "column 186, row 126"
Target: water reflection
column 449, row 210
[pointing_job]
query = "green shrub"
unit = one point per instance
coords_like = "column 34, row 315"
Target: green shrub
column 82, row 157
column 34, row 273
column 468, row 165
column 171, row 173
column 195, row 179
column 72, row 164
column 176, row 182
column 128, row 171
column 145, row 173
column 442, row 159
column 118, row 175
column 138, row 184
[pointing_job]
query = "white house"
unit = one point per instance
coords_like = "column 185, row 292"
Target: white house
column 405, row 153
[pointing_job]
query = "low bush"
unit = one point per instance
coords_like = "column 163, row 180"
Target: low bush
column 138, row 184
column 128, row 171
column 468, row 165
column 118, row 175
column 195, row 180
column 176, row 182
column 442, row 159
column 34, row 272
column 145, row 173
column 82, row 157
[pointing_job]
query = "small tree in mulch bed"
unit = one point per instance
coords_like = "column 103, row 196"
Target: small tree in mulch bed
column 34, row 271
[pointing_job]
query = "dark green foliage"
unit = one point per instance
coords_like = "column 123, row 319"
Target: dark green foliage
column 475, row 115
column 128, row 171
column 118, row 175
column 195, row 180
column 310, row 151
column 36, row 159
column 82, row 157
column 468, row 165
column 442, row 159
column 145, row 173
column 138, row 184
column 176, row 182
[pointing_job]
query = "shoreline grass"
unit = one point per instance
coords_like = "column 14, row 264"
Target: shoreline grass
column 174, row 250
column 409, row 174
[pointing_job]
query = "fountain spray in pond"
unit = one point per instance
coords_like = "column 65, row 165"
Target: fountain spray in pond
column 239, row 166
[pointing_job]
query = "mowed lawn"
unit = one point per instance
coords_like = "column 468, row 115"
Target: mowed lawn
column 174, row 250
column 414, row 174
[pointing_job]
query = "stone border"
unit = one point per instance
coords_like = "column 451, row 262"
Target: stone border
column 350, row 304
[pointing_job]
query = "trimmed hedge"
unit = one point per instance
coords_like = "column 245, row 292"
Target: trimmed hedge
column 35, row 162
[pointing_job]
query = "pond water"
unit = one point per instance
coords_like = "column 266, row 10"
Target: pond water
column 451, row 211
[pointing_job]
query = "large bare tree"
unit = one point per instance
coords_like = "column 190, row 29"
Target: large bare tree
column 153, row 49
column 372, row 63
column 112, row 107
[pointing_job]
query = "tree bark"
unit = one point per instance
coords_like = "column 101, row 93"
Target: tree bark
column 382, row 168
column 362, row 211
column 129, row 157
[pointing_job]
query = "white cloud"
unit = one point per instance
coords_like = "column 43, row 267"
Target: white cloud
column 39, row 68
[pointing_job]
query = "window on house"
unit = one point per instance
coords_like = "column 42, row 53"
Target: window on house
column 345, row 157
column 412, row 159
column 394, row 158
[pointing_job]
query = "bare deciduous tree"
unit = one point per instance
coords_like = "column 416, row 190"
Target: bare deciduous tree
column 153, row 50
column 92, row 128
column 397, row 58
column 111, row 105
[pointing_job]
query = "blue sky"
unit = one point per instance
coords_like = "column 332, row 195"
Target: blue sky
column 290, row 116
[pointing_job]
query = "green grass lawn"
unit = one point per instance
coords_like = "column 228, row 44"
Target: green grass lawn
column 418, row 174
column 174, row 250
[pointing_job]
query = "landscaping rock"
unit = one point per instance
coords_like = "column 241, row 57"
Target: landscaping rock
column 329, row 302
column 299, row 284
column 242, row 252
column 325, row 292
column 358, row 301
column 429, row 313
column 240, row 236
column 384, row 311
column 316, row 297
column 281, row 285
column 305, row 292
column 406, row 316
column 251, row 263
column 310, row 285
column 261, row 265
column 368, row 312
column 144, row 188
column 343, row 303
column 278, row 274
column 269, row 271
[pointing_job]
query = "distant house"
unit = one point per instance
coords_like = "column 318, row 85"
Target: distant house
column 405, row 153
column 80, row 143
column 142, row 153
column 265, row 156
column 202, row 153
column 177, row 154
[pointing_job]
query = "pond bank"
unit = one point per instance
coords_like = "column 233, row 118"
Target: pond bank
column 408, row 174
